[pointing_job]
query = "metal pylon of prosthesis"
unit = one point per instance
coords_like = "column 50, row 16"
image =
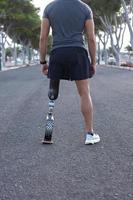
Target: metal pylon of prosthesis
column 51, row 106
column 53, row 95
column 49, row 122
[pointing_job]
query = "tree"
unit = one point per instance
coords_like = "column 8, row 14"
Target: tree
column 21, row 22
column 128, row 48
column 104, row 37
column 127, row 18
column 103, row 7
column 8, row 52
column 114, row 27
column 110, row 22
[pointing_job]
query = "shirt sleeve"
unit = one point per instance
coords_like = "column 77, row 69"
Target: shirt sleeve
column 45, row 13
column 89, row 13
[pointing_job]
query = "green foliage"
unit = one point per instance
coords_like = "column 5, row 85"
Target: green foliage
column 21, row 21
column 9, row 52
column 110, row 51
column 103, row 8
column 128, row 48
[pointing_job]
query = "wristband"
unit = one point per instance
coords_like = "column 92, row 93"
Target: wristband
column 43, row 62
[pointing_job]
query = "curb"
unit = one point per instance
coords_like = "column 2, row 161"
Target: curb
column 17, row 67
column 117, row 67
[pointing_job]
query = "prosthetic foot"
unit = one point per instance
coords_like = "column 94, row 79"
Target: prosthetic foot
column 53, row 95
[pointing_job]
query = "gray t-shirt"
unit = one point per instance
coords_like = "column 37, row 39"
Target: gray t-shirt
column 67, row 19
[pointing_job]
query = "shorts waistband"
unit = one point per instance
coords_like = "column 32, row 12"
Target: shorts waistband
column 66, row 49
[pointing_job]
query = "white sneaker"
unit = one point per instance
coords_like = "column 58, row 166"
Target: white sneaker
column 92, row 138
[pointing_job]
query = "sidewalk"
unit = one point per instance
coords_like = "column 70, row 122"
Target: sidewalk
column 8, row 67
column 117, row 67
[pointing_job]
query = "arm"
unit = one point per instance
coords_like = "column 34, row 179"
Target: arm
column 45, row 27
column 90, row 33
column 43, row 38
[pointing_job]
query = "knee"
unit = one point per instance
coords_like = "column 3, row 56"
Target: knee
column 84, row 93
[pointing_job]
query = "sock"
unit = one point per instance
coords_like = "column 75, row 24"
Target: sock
column 90, row 133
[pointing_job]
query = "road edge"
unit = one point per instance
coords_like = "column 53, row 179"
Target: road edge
column 117, row 67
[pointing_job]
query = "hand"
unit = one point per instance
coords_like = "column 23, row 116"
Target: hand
column 92, row 70
column 45, row 69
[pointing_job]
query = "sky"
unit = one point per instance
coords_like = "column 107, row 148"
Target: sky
column 41, row 4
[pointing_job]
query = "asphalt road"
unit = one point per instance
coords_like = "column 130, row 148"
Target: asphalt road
column 66, row 170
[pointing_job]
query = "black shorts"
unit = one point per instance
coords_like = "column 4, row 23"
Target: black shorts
column 69, row 63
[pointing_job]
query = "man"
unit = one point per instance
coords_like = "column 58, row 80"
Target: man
column 69, row 19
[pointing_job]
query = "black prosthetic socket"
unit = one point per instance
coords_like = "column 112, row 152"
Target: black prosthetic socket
column 53, row 89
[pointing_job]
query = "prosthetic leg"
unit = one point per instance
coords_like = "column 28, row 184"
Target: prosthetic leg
column 53, row 95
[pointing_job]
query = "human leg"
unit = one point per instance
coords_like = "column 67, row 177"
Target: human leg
column 53, row 95
column 87, row 111
column 86, row 103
